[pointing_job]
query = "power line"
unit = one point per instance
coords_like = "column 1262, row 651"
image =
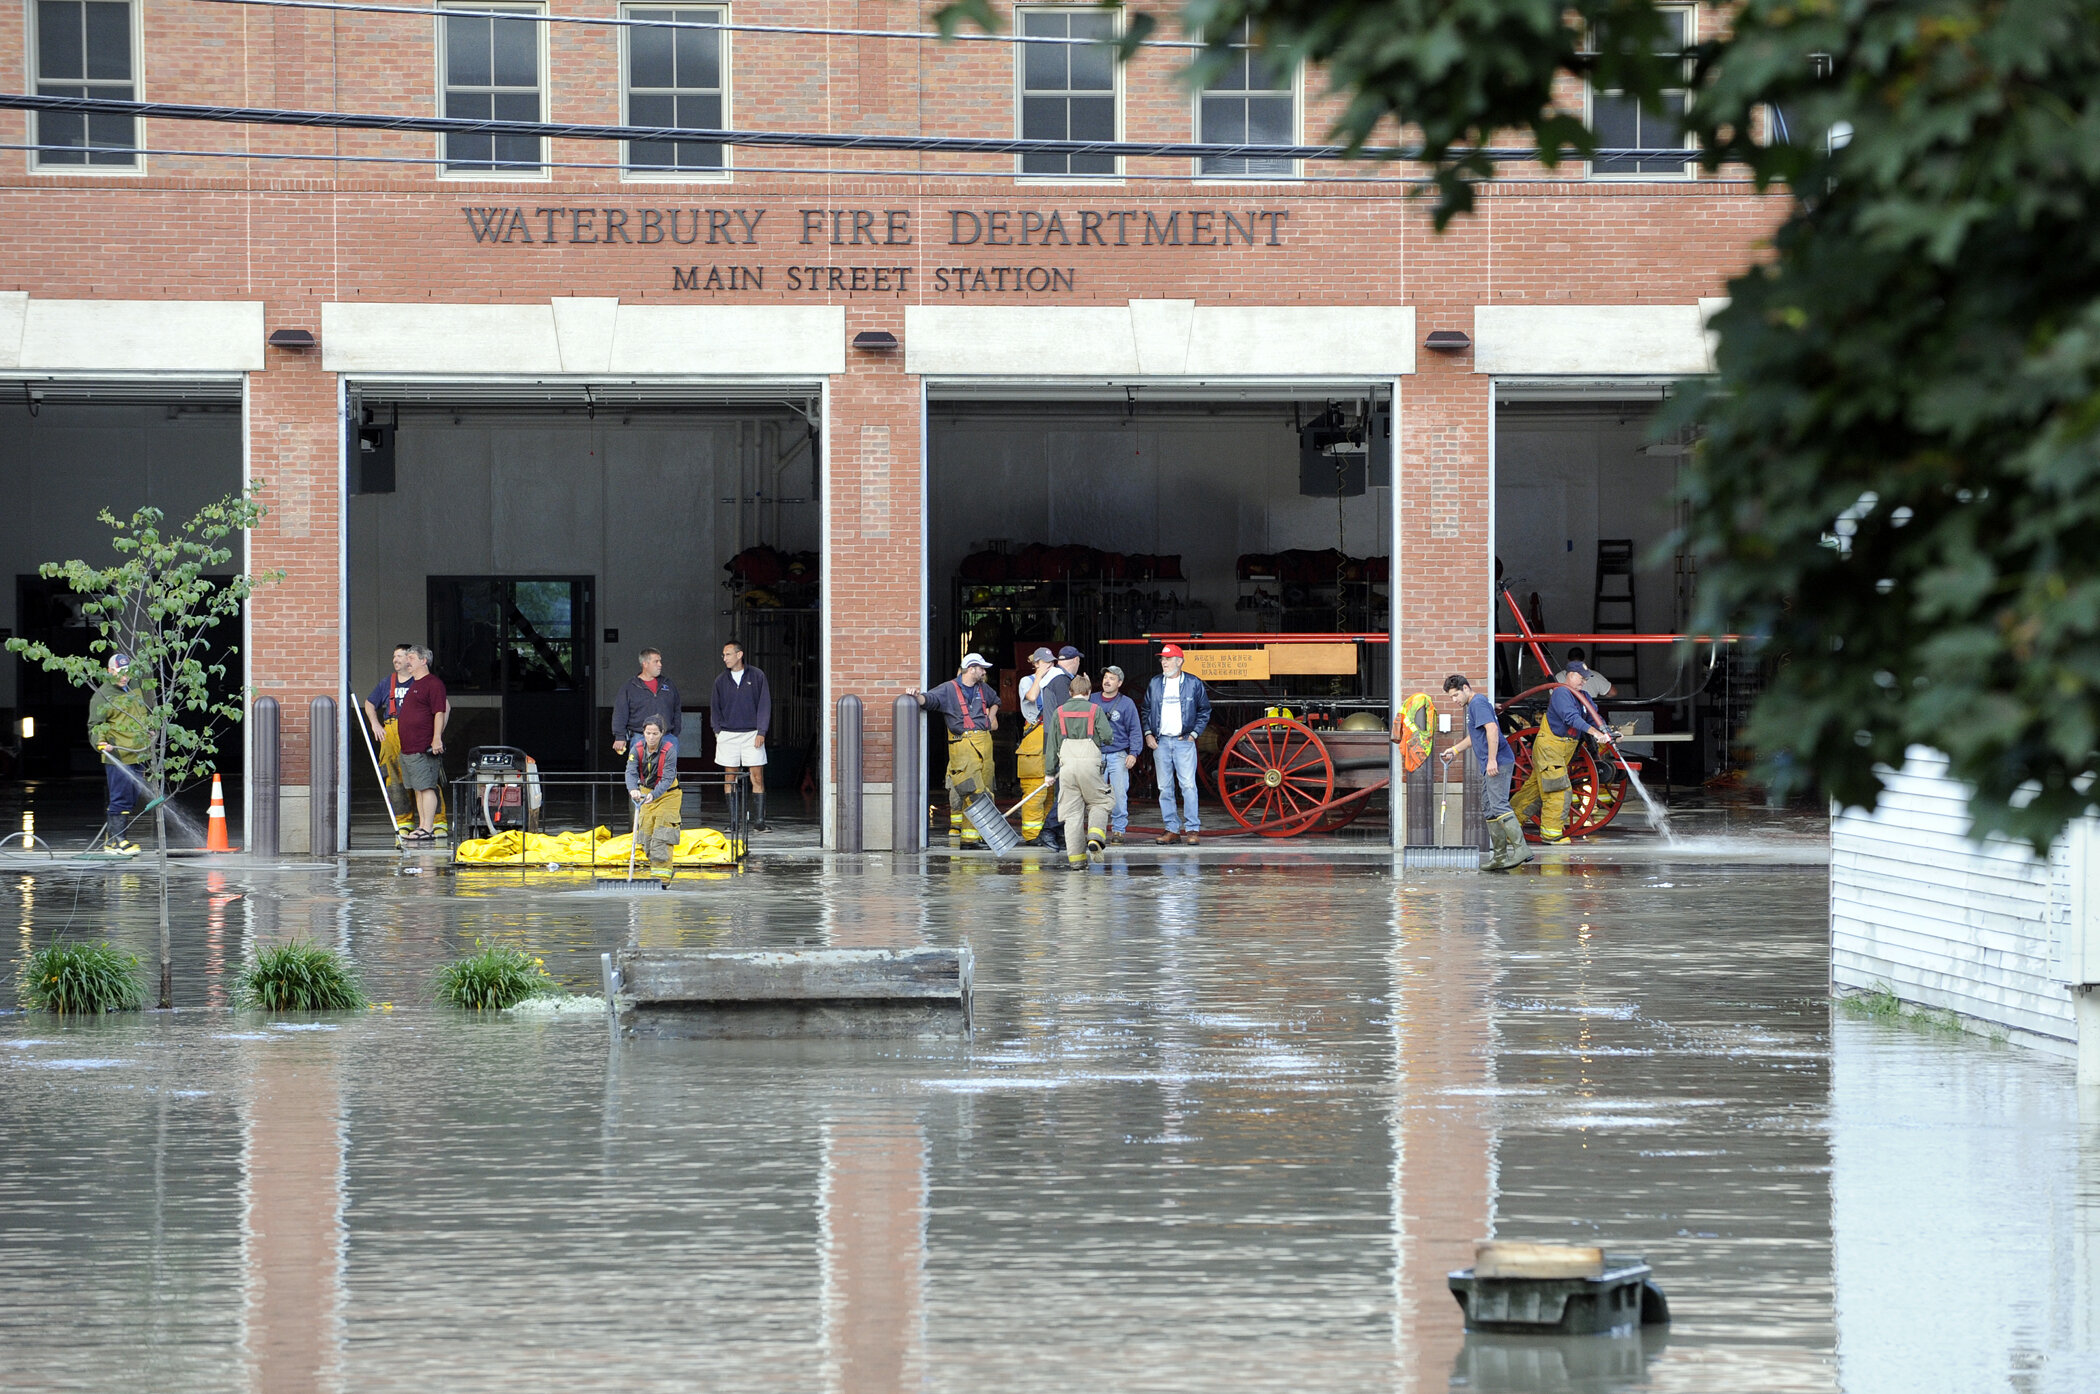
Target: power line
column 804, row 140
column 972, row 36
column 1399, row 181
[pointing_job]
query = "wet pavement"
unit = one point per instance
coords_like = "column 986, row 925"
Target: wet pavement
column 1224, row 1122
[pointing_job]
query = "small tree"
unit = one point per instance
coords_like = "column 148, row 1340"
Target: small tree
column 158, row 605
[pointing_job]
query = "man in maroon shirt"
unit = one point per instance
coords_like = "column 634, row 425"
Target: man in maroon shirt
column 422, row 725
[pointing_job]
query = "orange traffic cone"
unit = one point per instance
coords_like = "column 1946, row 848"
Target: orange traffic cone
column 215, row 834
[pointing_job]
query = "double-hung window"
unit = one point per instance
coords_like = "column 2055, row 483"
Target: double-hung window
column 493, row 71
column 1068, row 90
column 1252, row 102
column 83, row 48
column 676, row 76
column 1621, row 123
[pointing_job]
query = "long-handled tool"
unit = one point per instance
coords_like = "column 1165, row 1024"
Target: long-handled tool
column 634, row 841
column 1028, row 799
column 379, row 772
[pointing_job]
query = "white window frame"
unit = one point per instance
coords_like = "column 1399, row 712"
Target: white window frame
column 1689, row 169
column 654, row 174
column 138, row 94
column 544, row 172
column 1297, row 170
column 1116, row 14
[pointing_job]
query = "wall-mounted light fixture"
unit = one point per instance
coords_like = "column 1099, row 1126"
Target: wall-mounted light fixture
column 875, row 340
column 28, row 728
column 1447, row 341
column 295, row 339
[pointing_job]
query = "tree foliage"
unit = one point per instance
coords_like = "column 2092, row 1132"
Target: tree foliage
column 1898, row 488
column 159, row 604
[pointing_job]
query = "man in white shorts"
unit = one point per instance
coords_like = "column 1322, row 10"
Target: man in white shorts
column 742, row 713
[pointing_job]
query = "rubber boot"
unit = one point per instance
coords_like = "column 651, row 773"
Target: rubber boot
column 1517, row 851
column 758, row 814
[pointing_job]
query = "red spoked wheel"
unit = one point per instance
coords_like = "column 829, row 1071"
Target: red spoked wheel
column 1274, row 776
column 1595, row 792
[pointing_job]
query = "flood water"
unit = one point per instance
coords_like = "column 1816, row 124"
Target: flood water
column 1221, row 1124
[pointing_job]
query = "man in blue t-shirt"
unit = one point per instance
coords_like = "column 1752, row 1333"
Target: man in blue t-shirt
column 1491, row 751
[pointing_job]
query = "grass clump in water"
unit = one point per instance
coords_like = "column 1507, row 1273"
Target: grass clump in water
column 300, row 977
column 1881, row 1003
column 91, row 978
column 493, row 978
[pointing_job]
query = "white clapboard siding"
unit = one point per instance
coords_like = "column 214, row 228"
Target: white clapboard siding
column 1945, row 922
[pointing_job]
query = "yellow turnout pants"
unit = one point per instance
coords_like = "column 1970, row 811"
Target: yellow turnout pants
column 1547, row 788
column 1083, row 797
column 656, row 830
column 1028, row 764
column 969, row 774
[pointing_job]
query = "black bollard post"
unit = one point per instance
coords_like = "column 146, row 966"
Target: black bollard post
column 846, row 834
column 266, row 753
column 321, row 777
column 908, row 776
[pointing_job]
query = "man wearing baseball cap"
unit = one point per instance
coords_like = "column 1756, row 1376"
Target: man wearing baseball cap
column 121, row 728
column 1028, row 751
column 1119, row 756
column 972, row 712
column 1177, row 708
column 1053, row 688
column 1569, row 717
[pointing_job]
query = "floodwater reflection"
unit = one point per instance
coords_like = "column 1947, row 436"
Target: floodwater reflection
column 1218, row 1126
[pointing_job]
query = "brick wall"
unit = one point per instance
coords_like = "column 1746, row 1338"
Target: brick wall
column 296, row 235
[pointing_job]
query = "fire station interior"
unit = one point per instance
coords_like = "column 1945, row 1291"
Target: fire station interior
column 536, row 542
column 1585, row 505
column 69, row 450
column 1094, row 519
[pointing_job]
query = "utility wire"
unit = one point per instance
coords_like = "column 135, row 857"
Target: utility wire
column 623, row 22
column 804, row 140
column 1106, row 181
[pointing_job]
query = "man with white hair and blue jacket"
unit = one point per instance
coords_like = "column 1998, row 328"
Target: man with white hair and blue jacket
column 1177, row 708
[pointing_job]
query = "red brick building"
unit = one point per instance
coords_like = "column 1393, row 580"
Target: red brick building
column 559, row 384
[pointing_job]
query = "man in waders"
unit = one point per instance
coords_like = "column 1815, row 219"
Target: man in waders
column 971, row 709
column 652, row 782
column 1028, row 754
column 1077, row 732
column 1491, row 751
column 1569, row 717
column 383, row 715
column 121, row 727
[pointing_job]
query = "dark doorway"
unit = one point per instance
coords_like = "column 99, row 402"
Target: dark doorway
column 527, row 641
column 47, row 611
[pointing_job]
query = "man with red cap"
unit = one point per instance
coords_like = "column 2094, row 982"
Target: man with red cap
column 1177, row 708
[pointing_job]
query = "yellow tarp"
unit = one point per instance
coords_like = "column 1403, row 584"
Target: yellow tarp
column 598, row 847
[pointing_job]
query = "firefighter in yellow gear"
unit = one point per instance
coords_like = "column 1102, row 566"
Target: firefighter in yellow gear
column 1569, row 717
column 652, row 782
column 1028, row 754
column 971, row 710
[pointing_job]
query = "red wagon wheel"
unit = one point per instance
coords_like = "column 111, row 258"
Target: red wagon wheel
column 1595, row 793
column 1273, row 776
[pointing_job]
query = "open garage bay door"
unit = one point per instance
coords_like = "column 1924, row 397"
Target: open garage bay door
column 1095, row 513
column 71, row 447
column 537, row 534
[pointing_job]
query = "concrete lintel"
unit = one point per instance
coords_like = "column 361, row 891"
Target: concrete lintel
column 130, row 336
column 1160, row 338
column 584, row 335
column 1633, row 340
